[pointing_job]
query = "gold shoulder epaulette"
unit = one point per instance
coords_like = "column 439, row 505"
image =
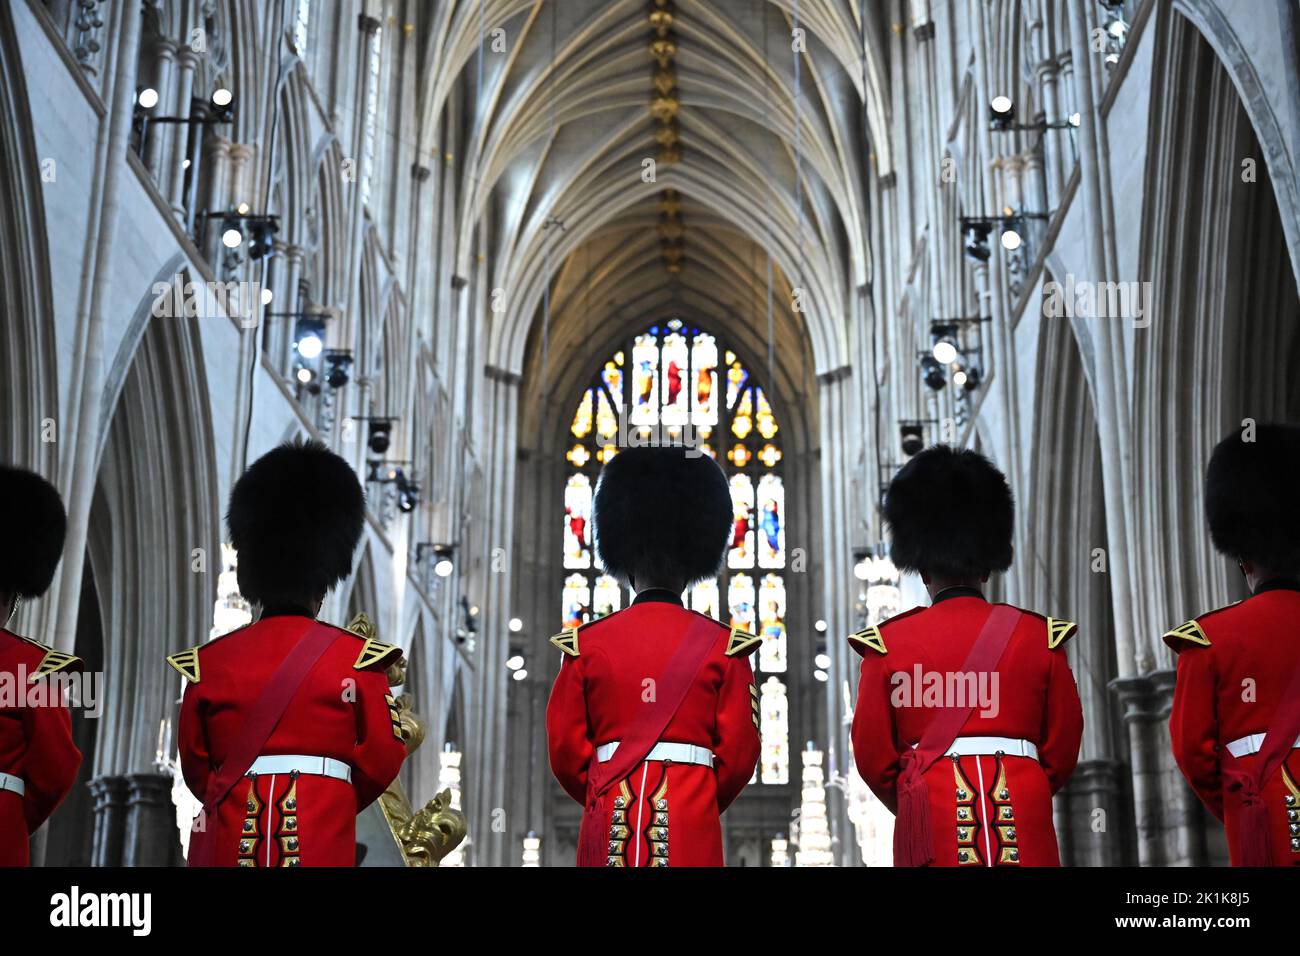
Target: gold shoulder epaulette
column 377, row 652
column 1058, row 632
column 53, row 661
column 567, row 641
column 186, row 664
column 1191, row 631
column 740, row 642
column 869, row 637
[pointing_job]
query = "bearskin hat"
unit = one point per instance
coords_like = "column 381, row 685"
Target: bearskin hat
column 950, row 513
column 35, row 523
column 1250, row 497
column 662, row 513
column 295, row 518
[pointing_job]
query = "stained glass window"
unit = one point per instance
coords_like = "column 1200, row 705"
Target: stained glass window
column 682, row 379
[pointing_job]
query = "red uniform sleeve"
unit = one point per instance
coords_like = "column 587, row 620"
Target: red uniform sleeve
column 567, row 735
column 192, row 739
column 1058, row 753
column 379, row 752
column 875, row 744
column 1194, row 726
column 735, row 741
column 50, row 763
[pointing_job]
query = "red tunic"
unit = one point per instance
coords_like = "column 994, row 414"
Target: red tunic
column 35, row 743
column 668, row 813
column 342, row 710
column 1234, row 666
column 985, row 810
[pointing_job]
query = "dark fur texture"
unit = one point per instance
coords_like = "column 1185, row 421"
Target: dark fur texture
column 35, row 523
column 661, row 515
column 1250, row 498
column 295, row 518
column 950, row 514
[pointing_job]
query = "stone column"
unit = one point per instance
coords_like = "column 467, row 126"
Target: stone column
column 163, row 53
column 186, row 63
column 109, row 794
column 150, row 838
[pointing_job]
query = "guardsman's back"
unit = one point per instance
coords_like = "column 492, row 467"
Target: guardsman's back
column 1235, row 721
column 38, row 758
column 287, row 728
column 653, row 720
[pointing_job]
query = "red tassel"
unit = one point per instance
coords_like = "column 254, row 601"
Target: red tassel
column 591, row 835
column 1252, row 829
column 913, row 839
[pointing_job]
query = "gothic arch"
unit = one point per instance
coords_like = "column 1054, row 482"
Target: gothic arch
column 29, row 387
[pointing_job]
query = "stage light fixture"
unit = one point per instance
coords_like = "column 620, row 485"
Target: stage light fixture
column 515, row 625
column 408, row 494
column 148, row 98
column 1011, row 238
column 932, row 373
column 912, row 438
column 309, row 337
column 819, row 626
column 304, row 375
column 1002, row 113
column 267, row 296
column 232, row 238
column 973, row 379
column 977, row 241
column 381, row 435
column 822, row 660
column 338, row 367
column 945, row 349
column 442, row 563
column 821, row 676
column 520, row 674
column 516, row 659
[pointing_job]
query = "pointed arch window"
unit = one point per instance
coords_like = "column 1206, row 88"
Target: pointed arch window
column 672, row 377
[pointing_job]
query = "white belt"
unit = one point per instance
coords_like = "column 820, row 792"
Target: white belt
column 988, row 746
column 1251, row 744
column 15, row 784
column 676, row 753
column 288, row 763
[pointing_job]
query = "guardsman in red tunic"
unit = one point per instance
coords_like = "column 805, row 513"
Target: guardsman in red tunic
column 653, row 721
column 287, row 730
column 38, row 760
column 1235, row 723
column 968, row 718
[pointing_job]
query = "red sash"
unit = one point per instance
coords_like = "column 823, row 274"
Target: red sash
column 262, row 719
column 913, row 841
column 642, row 735
column 1279, row 740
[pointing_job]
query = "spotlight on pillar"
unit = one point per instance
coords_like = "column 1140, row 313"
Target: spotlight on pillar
column 1002, row 113
column 976, row 245
column 911, row 437
column 442, row 563
column 408, row 494
column 309, row 338
column 515, row 625
column 338, row 367
column 516, row 659
column 932, row 373
column 822, row 660
column 232, row 238
column 221, row 106
column 381, row 434
column 945, row 349
column 819, row 626
column 267, row 296
column 263, row 230
column 147, row 98
column 1011, row 237
column 520, row 674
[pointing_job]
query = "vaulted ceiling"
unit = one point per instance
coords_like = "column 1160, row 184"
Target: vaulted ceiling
column 644, row 158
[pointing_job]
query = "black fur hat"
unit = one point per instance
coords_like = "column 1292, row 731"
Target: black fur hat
column 661, row 513
column 1250, row 497
column 951, row 514
column 295, row 518
column 33, row 519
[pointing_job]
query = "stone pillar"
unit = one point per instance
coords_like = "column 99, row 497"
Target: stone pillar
column 216, row 197
column 1166, row 822
column 109, row 794
column 150, row 838
column 1091, row 816
column 183, row 92
column 163, row 53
